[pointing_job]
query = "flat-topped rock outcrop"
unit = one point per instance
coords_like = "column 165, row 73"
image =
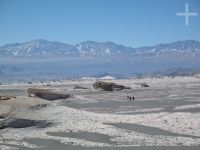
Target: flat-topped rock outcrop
column 46, row 94
column 109, row 86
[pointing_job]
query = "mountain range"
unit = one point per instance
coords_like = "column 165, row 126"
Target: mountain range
column 44, row 48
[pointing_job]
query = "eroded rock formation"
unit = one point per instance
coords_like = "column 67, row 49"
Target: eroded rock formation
column 108, row 86
column 46, row 94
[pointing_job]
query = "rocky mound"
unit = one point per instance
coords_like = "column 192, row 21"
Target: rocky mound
column 6, row 97
column 80, row 87
column 23, row 123
column 108, row 86
column 46, row 94
column 144, row 85
column 37, row 107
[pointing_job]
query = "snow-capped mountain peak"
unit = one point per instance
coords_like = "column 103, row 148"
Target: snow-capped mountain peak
column 44, row 48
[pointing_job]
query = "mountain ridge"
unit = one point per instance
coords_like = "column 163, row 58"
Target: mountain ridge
column 44, row 48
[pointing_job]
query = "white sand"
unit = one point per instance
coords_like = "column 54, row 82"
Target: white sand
column 66, row 118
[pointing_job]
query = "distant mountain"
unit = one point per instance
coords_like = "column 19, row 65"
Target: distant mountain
column 44, row 48
column 172, row 72
column 103, row 75
column 181, row 72
column 186, row 48
column 37, row 48
column 91, row 48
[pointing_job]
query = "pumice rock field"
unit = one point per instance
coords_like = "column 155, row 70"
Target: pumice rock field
column 78, row 114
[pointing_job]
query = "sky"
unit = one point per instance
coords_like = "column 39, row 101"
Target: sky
column 132, row 23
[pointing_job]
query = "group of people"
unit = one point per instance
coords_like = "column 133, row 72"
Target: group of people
column 131, row 98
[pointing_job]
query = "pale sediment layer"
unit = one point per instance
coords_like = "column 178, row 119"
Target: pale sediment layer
column 164, row 114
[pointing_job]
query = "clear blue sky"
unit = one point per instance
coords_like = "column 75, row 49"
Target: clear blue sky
column 129, row 22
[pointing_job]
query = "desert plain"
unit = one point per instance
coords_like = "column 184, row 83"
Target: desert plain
column 165, row 115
